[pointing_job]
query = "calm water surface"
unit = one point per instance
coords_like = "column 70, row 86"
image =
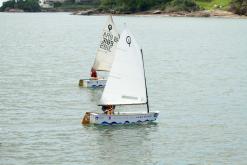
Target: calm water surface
column 197, row 79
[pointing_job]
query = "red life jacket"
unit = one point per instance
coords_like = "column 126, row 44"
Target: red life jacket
column 94, row 74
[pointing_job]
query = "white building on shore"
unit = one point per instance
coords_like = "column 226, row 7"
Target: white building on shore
column 49, row 3
column 1, row 2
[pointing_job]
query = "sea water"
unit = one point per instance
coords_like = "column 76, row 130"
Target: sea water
column 196, row 70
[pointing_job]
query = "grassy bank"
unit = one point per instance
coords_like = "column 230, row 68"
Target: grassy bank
column 214, row 4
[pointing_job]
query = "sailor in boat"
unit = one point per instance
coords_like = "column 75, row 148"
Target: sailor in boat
column 104, row 55
column 94, row 74
column 128, row 64
column 108, row 109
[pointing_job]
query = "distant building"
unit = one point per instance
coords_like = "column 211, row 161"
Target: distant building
column 49, row 3
column 1, row 2
column 45, row 4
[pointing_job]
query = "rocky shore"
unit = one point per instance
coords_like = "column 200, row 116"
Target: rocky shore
column 201, row 13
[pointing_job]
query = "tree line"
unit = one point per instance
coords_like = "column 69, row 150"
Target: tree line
column 127, row 6
column 143, row 5
column 27, row 5
column 239, row 7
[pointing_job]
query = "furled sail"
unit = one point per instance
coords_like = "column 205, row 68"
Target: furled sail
column 108, row 42
column 126, row 81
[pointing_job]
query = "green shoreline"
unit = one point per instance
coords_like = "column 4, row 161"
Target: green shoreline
column 199, row 13
column 197, row 8
column 190, row 8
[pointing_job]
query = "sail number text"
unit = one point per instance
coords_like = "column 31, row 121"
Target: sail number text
column 108, row 41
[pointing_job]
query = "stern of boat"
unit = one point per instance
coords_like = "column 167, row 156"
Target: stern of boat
column 81, row 83
column 86, row 118
column 92, row 83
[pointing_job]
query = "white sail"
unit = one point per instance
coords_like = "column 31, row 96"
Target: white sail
column 126, row 81
column 108, row 42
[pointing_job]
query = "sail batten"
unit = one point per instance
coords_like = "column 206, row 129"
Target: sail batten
column 105, row 53
column 126, row 82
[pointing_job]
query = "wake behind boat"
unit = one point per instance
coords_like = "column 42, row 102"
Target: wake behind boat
column 104, row 57
column 126, row 85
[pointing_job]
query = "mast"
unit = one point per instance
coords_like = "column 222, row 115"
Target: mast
column 145, row 81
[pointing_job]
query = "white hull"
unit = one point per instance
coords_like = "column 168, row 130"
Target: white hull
column 119, row 118
column 92, row 83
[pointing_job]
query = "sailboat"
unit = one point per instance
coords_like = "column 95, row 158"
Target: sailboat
column 126, row 85
column 104, row 55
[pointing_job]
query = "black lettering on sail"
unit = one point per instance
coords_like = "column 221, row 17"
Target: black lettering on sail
column 108, row 41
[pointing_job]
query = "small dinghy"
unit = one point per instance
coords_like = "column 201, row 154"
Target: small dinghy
column 126, row 85
column 104, row 56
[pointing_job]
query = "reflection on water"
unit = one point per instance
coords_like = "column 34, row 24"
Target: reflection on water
column 127, row 143
column 94, row 94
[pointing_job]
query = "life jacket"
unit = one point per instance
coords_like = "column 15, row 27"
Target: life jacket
column 94, row 74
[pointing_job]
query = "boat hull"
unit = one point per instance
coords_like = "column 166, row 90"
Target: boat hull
column 119, row 118
column 92, row 83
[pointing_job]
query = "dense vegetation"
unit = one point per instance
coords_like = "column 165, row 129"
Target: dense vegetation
column 128, row 6
column 132, row 6
column 213, row 4
column 27, row 5
column 239, row 7
column 71, row 5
